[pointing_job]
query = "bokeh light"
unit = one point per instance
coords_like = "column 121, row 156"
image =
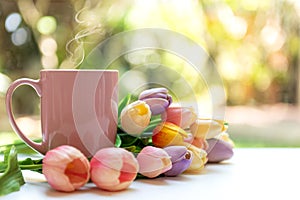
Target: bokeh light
column 4, row 83
column 20, row 36
column 48, row 46
column 12, row 22
column 272, row 36
column 46, row 25
column 49, row 62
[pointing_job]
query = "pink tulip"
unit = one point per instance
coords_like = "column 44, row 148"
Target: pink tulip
column 153, row 161
column 113, row 169
column 180, row 116
column 66, row 168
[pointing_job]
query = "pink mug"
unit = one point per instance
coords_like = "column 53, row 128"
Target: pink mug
column 78, row 108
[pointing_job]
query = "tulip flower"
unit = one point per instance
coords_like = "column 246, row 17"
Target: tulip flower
column 199, row 159
column 200, row 143
column 225, row 137
column 157, row 98
column 207, row 128
column 66, row 168
column 135, row 117
column 168, row 134
column 180, row 116
column 218, row 150
column 153, row 161
column 113, row 169
column 181, row 159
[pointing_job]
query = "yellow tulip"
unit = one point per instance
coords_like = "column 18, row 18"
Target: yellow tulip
column 207, row 128
column 135, row 117
column 199, row 159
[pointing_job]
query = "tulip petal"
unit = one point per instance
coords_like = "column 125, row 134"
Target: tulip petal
column 218, row 150
column 207, row 128
column 66, row 168
column 200, row 143
column 176, row 152
column 157, row 105
column 153, row 161
column 179, row 167
column 199, row 159
column 157, row 98
column 181, row 159
column 135, row 117
column 168, row 134
column 113, row 169
column 156, row 95
column 180, row 116
column 152, row 91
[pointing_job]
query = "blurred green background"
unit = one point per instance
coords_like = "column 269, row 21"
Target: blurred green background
column 254, row 44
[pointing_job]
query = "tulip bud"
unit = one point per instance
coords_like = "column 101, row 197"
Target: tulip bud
column 225, row 137
column 135, row 117
column 181, row 159
column 113, row 169
column 180, row 116
column 218, row 150
column 153, row 161
column 157, row 98
column 199, row 159
column 66, row 168
column 207, row 128
column 168, row 134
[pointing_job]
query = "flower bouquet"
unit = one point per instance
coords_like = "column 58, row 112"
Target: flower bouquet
column 154, row 139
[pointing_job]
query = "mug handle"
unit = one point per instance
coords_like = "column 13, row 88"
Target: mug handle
column 37, row 87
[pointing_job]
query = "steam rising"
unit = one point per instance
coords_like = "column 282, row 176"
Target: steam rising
column 90, row 29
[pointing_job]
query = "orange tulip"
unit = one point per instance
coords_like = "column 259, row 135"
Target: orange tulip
column 167, row 134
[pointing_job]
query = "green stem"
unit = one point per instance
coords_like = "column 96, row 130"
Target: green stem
column 31, row 167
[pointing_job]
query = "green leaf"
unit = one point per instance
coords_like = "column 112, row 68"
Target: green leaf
column 12, row 178
column 123, row 103
column 20, row 146
column 118, row 141
column 127, row 140
column 153, row 123
column 30, row 164
column 130, row 148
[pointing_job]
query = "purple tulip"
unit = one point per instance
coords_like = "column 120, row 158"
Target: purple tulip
column 218, row 150
column 181, row 159
column 157, row 98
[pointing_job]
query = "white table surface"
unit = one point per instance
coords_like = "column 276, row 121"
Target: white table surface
column 264, row 173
